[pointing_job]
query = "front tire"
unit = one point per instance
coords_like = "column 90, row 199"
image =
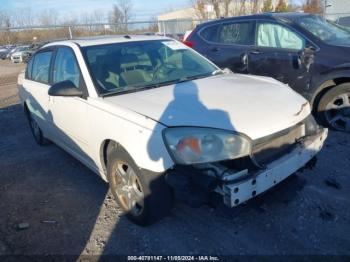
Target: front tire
column 144, row 196
column 334, row 108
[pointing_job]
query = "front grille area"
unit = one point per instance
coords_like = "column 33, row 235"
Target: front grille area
column 270, row 148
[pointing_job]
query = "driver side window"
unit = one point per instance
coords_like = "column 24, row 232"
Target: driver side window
column 66, row 67
column 278, row 36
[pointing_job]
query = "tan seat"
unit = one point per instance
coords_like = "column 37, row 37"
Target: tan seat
column 129, row 71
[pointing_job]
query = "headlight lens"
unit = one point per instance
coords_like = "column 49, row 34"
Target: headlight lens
column 193, row 145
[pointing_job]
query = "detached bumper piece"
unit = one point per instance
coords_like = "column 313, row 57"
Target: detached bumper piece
column 239, row 192
column 194, row 184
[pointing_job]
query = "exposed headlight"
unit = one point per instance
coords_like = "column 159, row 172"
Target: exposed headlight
column 193, row 145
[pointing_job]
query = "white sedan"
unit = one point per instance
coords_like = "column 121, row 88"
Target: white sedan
column 160, row 122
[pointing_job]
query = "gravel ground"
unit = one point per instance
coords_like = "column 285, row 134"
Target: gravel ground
column 52, row 204
column 8, row 76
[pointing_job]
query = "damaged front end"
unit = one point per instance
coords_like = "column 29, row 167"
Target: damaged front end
column 271, row 160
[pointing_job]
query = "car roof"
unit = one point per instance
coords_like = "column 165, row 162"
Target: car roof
column 272, row 16
column 109, row 39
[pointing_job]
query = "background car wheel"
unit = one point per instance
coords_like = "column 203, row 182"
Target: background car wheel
column 36, row 131
column 144, row 196
column 334, row 108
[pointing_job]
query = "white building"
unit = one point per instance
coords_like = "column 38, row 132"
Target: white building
column 335, row 9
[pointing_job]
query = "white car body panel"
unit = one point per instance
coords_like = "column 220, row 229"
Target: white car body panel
column 232, row 102
column 256, row 106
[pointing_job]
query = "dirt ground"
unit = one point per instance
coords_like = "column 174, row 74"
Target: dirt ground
column 52, row 204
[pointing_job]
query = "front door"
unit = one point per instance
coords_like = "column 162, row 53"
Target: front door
column 280, row 53
column 69, row 114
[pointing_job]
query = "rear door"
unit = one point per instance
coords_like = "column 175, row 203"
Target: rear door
column 279, row 53
column 228, row 43
column 35, row 89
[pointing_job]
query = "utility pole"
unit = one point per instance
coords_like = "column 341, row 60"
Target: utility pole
column 325, row 7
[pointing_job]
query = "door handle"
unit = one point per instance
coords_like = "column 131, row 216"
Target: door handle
column 255, row 52
column 215, row 49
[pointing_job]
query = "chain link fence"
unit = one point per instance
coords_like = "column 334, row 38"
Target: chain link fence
column 36, row 34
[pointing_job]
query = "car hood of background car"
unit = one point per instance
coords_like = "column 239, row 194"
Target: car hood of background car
column 255, row 106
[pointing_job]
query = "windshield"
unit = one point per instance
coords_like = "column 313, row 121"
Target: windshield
column 132, row 66
column 325, row 30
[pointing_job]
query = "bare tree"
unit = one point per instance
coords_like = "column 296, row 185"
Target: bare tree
column 48, row 17
column 312, row 6
column 227, row 4
column 255, row 6
column 116, row 17
column 199, row 7
column 267, row 6
column 282, row 6
column 126, row 6
column 23, row 17
column 242, row 7
column 4, row 19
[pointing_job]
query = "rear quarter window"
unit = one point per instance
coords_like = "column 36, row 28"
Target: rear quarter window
column 29, row 69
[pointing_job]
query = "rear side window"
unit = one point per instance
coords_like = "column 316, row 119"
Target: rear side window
column 41, row 67
column 278, row 36
column 240, row 33
column 210, row 33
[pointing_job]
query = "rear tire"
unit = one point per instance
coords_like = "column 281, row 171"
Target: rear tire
column 36, row 131
column 334, row 108
column 144, row 196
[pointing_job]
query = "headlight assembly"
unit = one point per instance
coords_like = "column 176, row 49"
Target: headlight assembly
column 193, row 145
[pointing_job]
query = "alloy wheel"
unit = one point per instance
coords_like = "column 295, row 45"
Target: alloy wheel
column 338, row 112
column 128, row 188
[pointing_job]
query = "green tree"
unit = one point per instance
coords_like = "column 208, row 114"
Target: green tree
column 267, row 6
column 282, row 6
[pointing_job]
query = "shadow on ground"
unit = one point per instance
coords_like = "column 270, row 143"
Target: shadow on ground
column 70, row 212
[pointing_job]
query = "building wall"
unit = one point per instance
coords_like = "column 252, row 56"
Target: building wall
column 337, row 8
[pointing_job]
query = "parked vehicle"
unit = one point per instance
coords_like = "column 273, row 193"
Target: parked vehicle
column 19, row 55
column 3, row 53
column 306, row 52
column 32, row 49
column 156, row 119
column 12, row 49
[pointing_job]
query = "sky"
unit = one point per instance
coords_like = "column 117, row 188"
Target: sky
column 142, row 9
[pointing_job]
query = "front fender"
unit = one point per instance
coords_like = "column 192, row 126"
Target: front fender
column 140, row 136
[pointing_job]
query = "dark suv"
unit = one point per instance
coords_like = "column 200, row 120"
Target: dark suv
column 305, row 51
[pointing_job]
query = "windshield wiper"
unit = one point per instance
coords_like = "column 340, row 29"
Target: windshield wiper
column 132, row 89
column 155, row 85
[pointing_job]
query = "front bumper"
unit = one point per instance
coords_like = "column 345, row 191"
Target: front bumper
column 194, row 184
column 278, row 170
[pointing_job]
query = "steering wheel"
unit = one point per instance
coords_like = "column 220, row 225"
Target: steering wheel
column 164, row 69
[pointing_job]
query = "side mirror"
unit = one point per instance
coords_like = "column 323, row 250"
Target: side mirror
column 65, row 88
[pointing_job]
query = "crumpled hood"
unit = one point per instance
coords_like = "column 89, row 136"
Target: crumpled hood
column 255, row 106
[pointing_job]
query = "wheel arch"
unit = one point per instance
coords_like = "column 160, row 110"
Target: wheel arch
column 106, row 148
column 325, row 87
